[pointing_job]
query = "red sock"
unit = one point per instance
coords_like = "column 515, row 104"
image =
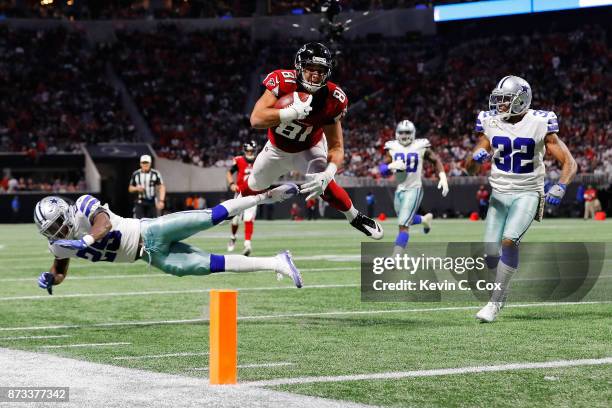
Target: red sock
column 234, row 229
column 248, row 230
column 337, row 197
column 246, row 191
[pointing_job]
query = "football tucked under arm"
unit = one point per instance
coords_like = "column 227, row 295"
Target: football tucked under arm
column 295, row 106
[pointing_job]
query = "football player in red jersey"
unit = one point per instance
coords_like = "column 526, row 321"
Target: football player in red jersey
column 243, row 166
column 306, row 136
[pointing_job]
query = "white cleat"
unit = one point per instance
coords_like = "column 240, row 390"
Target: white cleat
column 488, row 313
column 231, row 245
column 426, row 221
column 280, row 193
column 247, row 248
column 286, row 267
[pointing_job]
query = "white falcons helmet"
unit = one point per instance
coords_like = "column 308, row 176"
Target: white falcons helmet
column 405, row 132
column 511, row 97
column 54, row 218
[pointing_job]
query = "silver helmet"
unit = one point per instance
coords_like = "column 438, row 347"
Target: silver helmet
column 54, row 218
column 511, row 97
column 405, row 132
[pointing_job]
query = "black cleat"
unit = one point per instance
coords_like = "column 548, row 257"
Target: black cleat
column 368, row 226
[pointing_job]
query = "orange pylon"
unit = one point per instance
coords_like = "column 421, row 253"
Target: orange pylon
column 223, row 355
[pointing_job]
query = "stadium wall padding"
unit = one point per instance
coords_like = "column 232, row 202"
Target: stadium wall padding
column 460, row 202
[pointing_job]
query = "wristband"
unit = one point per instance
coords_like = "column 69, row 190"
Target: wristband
column 442, row 175
column 331, row 169
column 88, row 239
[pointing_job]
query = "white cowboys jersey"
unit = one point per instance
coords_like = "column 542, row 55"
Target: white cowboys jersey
column 119, row 245
column 518, row 149
column 413, row 156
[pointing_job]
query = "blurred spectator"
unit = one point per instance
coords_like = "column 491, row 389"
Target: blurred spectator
column 579, row 203
column 591, row 202
column 482, row 195
column 189, row 203
column 201, row 203
column 371, row 204
column 296, row 212
column 312, row 207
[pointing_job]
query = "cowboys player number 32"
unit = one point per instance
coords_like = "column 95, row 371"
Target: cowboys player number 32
column 515, row 138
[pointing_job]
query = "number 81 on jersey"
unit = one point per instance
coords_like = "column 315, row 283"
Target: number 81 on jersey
column 293, row 130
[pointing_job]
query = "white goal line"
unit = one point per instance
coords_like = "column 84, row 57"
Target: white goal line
column 431, row 373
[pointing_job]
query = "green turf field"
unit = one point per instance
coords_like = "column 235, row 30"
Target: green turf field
column 321, row 330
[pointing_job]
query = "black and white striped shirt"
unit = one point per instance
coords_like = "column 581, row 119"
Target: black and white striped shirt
column 149, row 180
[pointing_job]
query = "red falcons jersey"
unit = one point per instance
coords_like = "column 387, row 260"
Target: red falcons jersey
column 328, row 107
column 244, row 168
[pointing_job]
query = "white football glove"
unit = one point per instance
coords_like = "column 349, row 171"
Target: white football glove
column 318, row 182
column 297, row 110
column 443, row 183
column 397, row 165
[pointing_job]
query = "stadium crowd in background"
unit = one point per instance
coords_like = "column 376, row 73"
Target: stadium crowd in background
column 142, row 9
column 193, row 94
column 190, row 90
column 54, row 94
column 13, row 184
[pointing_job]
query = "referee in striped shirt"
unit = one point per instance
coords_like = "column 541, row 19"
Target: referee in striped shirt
column 149, row 186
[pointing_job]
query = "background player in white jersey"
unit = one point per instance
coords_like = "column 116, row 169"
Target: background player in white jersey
column 91, row 231
column 405, row 156
column 515, row 138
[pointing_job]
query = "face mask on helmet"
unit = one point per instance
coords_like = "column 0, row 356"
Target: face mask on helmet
column 54, row 218
column 250, row 150
column 313, row 61
column 511, row 97
column 405, row 132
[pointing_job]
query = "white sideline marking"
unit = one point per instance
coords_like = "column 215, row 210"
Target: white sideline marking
column 315, row 314
column 165, row 275
column 36, row 337
column 85, row 345
column 96, row 385
column 166, row 292
column 153, row 356
column 279, row 364
column 432, row 373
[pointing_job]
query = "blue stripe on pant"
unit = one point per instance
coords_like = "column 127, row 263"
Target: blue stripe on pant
column 161, row 238
column 406, row 204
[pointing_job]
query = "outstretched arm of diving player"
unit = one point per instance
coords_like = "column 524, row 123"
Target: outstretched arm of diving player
column 57, row 273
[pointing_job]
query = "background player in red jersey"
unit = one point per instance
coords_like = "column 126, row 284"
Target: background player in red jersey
column 306, row 135
column 243, row 166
